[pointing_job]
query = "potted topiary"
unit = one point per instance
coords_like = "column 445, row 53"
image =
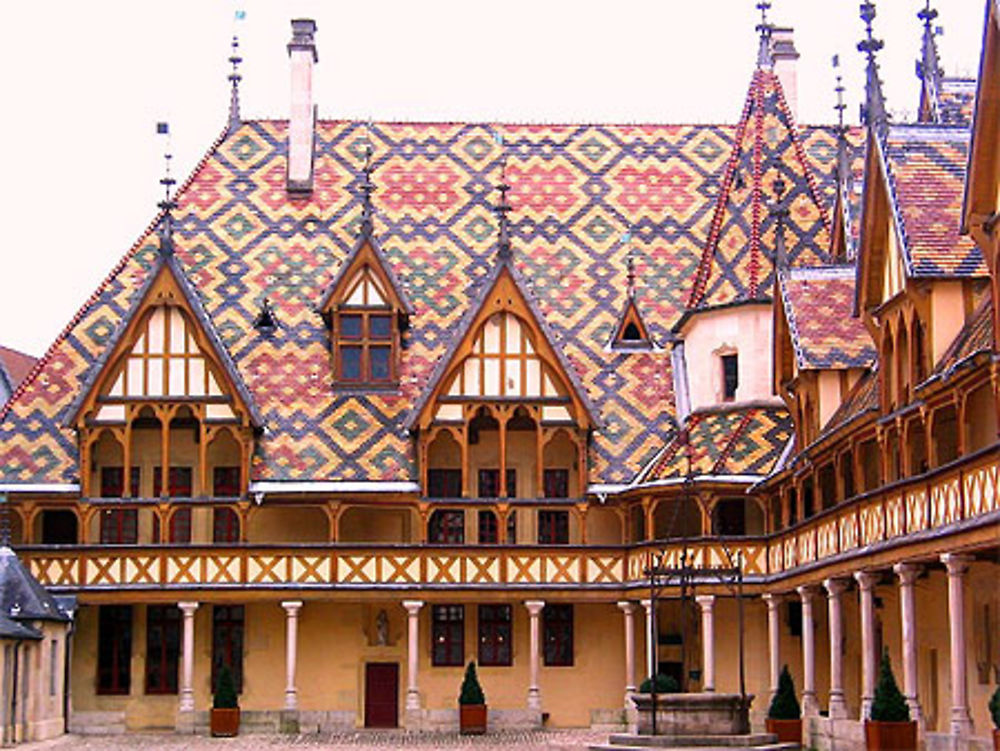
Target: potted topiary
column 471, row 704
column 889, row 727
column 225, row 715
column 784, row 716
column 995, row 714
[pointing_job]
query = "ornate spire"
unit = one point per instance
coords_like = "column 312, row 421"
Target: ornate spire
column 929, row 67
column 367, row 188
column 764, row 29
column 234, row 81
column 780, row 213
column 873, row 112
column 502, row 208
column 843, row 170
column 630, row 265
column 168, row 204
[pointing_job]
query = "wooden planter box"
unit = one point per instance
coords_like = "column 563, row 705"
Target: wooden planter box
column 788, row 731
column 996, row 740
column 472, row 719
column 891, row 736
column 225, row 723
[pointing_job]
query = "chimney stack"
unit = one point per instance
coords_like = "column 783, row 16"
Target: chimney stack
column 785, row 58
column 302, row 119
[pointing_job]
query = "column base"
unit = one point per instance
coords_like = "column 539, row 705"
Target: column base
column 412, row 700
column 866, row 708
column 291, row 700
column 916, row 713
column 534, row 699
column 288, row 723
column 186, row 722
column 961, row 723
column 810, row 707
column 186, row 703
column 838, row 707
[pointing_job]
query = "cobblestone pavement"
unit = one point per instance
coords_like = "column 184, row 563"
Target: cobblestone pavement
column 552, row 740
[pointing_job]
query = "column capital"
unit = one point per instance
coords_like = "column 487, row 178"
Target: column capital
column 907, row 572
column 956, row 563
column 292, row 607
column 772, row 599
column 413, row 606
column 705, row 602
column 627, row 606
column 806, row 593
column 835, row 587
column 188, row 608
column 866, row 580
column 534, row 607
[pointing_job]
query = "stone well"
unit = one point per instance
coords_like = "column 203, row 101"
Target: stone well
column 694, row 714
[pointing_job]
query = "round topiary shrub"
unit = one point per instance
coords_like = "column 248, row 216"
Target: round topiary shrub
column 888, row 704
column 665, row 684
column 784, row 705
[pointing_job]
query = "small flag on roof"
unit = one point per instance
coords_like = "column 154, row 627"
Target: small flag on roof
column 240, row 15
column 162, row 129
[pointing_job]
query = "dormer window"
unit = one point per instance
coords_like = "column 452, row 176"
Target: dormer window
column 730, row 376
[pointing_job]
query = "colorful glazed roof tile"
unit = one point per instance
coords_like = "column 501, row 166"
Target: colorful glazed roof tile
column 14, row 368
column 239, row 238
column 737, row 256
column 957, row 100
column 926, row 166
column 818, row 303
column 741, row 440
column 976, row 336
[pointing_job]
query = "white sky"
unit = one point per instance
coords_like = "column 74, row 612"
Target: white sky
column 85, row 82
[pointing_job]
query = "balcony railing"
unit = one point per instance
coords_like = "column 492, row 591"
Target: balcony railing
column 960, row 492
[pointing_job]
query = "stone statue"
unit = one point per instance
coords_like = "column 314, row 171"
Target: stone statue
column 381, row 629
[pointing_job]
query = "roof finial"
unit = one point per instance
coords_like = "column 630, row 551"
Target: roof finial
column 367, row 188
column 234, row 77
column 503, row 208
column 929, row 67
column 873, row 111
column 764, row 28
column 842, row 165
column 780, row 213
column 168, row 204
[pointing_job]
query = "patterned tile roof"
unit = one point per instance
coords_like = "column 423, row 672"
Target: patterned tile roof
column 239, row 238
column 741, row 440
column 926, row 167
column 957, row 100
column 736, row 260
column 818, row 304
column 14, row 366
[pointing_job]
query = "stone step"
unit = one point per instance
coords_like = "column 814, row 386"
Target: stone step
column 675, row 741
column 765, row 747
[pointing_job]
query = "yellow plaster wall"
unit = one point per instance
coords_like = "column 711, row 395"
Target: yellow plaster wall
column 829, row 395
column 293, row 524
column 947, row 315
column 365, row 524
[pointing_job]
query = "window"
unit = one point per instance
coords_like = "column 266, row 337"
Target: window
column 53, row 667
column 444, row 483
column 179, row 529
column 557, row 635
column 114, row 649
column 226, row 482
column 847, row 473
column 447, row 635
column 225, row 525
column 730, row 377
column 119, row 526
column 494, row 635
column 58, row 527
column 447, row 527
column 556, row 483
column 364, row 347
column 512, row 526
column 729, row 517
column 489, row 483
column 227, row 643
column 180, row 482
column 113, row 482
column 488, row 533
column 163, row 640
column 553, row 527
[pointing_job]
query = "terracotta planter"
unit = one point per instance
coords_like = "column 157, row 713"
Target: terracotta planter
column 891, row 736
column 472, row 719
column 788, row 731
column 225, row 723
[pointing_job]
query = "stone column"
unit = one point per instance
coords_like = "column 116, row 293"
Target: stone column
column 957, row 565
column 810, row 707
column 628, row 609
column 534, row 692
column 707, row 605
column 187, row 673
column 292, row 608
column 908, row 573
column 834, row 589
column 773, row 603
column 869, row 664
column 650, row 639
column 412, row 653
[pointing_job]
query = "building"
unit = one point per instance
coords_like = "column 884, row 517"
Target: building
column 433, row 392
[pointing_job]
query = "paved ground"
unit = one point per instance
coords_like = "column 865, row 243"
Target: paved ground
column 554, row 740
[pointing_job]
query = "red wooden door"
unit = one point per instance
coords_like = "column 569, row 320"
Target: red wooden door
column 381, row 695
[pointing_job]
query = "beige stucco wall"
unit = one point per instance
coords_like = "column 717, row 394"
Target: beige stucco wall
column 947, row 315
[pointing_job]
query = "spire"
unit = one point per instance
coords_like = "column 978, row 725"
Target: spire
column 503, row 208
column 168, row 204
column 843, row 169
column 780, row 213
column 630, row 264
column 929, row 68
column 764, row 29
column 234, row 81
column 367, row 188
column 873, row 112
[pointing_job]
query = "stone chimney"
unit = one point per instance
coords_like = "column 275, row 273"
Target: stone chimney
column 785, row 58
column 302, row 119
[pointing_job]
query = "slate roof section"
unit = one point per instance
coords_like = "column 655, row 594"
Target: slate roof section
column 957, row 101
column 11, row 629
column 818, row 303
column 575, row 190
column 926, row 166
column 21, row 596
column 14, row 367
column 739, row 440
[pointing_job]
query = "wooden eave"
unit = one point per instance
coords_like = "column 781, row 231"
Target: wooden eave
column 365, row 253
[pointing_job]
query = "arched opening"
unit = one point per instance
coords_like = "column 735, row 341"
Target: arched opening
column 57, row 527
column 808, row 498
column 522, row 451
column 887, row 364
column 827, row 476
column 107, row 479
column 980, row 418
column 225, row 525
column 224, row 459
column 369, row 524
column 919, row 352
column 677, row 517
column 145, row 451
column 185, row 433
column 847, row 474
column 870, row 465
column 637, row 524
column 916, row 440
column 902, row 365
column 604, row 527
column 484, row 454
column 892, row 455
column 178, row 526
column 559, row 459
column 294, row 524
column 444, row 466
column 737, row 517
column 446, row 527
column 944, row 435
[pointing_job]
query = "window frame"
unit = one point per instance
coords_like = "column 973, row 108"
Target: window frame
column 114, row 643
column 553, row 527
column 222, row 483
column 164, row 655
column 228, row 521
column 228, row 642
column 724, row 359
column 495, row 635
column 366, row 342
column 180, row 477
column 447, row 635
column 444, row 524
column 178, row 528
column 119, row 526
column 557, row 635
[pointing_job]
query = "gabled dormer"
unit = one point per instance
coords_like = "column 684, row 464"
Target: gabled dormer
column 631, row 331
column 165, row 394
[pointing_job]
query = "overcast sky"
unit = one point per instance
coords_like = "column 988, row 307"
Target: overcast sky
column 85, row 82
